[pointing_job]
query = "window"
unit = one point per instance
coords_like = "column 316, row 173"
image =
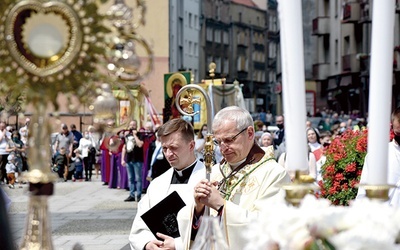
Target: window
column 209, row 36
column 226, row 37
column 272, row 50
column 346, row 45
column 336, row 8
column 209, row 60
column 217, row 36
column 190, row 20
column 336, row 51
column 226, row 65
column 218, row 63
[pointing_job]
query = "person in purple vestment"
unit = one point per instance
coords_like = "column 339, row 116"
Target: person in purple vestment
column 123, row 178
column 105, row 159
column 116, row 145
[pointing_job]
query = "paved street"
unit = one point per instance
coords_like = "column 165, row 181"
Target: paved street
column 87, row 213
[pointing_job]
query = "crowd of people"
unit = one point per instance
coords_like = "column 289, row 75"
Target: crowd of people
column 127, row 159
column 162, row 163
column 13, row 154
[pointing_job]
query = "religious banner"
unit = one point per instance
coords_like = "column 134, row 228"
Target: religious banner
column 173, row 82
column 221, row 95
column 127, row 107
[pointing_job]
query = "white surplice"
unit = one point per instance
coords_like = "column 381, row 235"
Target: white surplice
column 160, row 188
column 251, row 190
column 393, row 174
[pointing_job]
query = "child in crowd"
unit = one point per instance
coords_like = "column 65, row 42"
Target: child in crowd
column 10, row 170
column 61, row 164
column 77, row 161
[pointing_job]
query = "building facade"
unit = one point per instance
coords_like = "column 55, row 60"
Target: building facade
column 342, row 29
column 234, row 36
column 184, row 36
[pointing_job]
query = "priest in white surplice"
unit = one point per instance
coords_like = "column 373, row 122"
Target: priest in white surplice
column 177, row 140
column 393, row 174
column 243, row 184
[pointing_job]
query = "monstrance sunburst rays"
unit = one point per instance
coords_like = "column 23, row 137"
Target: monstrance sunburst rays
column 71, row 69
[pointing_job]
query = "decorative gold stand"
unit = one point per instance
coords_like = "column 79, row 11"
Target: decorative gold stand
column 38, row 230
column 377, row 192
column 40, row 178
column 77, row 44
column 299, row 188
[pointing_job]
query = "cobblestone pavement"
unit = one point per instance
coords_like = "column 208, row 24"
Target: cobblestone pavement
column 80, row 213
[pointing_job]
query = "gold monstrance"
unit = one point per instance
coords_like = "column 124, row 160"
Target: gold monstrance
column 49, row 47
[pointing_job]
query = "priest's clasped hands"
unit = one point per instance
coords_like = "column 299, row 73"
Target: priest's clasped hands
column 206, row 193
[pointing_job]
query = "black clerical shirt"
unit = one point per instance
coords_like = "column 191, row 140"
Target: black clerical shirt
column 182, row 177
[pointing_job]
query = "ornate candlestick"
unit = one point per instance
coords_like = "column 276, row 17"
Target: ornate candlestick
column 377, row 192
column 299, row 188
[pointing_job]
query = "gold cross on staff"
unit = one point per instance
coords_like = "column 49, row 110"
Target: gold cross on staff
column 188, row 101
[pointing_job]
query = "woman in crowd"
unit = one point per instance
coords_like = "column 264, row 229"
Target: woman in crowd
column 16, row 146
column 200, row 141
column 314, row 143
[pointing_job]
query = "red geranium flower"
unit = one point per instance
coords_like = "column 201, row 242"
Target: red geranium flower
column 342, row 169
column 352, row 167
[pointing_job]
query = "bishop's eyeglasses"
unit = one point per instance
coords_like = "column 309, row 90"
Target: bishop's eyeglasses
column 229, row 140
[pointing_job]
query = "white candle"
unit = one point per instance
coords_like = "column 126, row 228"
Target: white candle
column 293, row 85
column 380, row 94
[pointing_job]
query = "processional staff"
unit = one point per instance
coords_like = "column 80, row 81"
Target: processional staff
column 187, row 102
column 210, row 233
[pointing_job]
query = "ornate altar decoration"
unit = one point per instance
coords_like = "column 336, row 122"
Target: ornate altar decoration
column 316, row 224
column 57, row 46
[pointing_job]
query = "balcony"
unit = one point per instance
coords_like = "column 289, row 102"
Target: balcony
column 320, row 26
column 273, row 35
column 351, row 12
column 364, row 62
column 365, row 11
column 320, row 71
column 350, row 63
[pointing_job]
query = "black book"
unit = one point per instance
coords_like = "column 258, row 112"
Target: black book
column 162, row 218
